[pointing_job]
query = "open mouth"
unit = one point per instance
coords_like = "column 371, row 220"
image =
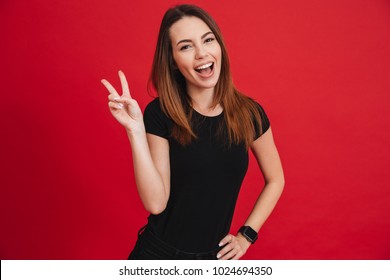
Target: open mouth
column 205, row 68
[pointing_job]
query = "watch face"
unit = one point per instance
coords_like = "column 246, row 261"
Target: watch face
column 249, row 233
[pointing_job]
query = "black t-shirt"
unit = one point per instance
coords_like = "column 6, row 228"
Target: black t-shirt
column 206, row 177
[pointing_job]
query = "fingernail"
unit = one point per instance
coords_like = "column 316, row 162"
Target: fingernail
column 117, row 98
column 220, row 244
column 120, row 105
column 218, row 256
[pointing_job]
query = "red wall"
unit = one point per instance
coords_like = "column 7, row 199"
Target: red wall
column 319, row 68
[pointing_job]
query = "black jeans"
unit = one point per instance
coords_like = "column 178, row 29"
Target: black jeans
column 150, row 247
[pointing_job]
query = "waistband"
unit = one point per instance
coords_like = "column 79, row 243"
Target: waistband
column 148, row 236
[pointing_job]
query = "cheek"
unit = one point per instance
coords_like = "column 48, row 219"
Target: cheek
column 216, row 52
column 178, row 59
column 184, row 65
column 218, row 56
column 219, row 51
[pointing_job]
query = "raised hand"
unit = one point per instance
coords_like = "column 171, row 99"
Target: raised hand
column 123, row 107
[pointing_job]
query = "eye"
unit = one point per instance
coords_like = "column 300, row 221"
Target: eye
column 185, row 47
column 209, row 40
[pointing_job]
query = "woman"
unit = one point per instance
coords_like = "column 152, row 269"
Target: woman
column 190, row 149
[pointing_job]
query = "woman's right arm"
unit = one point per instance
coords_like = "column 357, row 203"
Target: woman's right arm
column 150, row 152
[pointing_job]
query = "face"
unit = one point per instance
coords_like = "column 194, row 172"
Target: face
column 196, row 52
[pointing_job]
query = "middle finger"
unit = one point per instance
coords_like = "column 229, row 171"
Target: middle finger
column 125, row 86
column 229, row 255
column 225, row 250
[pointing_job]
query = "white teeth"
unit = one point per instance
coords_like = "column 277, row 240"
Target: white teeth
column 204, row 66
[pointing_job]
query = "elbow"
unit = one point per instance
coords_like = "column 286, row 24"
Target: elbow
column 281, row 182
column 281, row 186
column 156, row 209
column 155, row 204
column 277, row 184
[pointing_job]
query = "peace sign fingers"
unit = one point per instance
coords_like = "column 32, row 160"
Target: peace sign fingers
column 110, row 88
column 124, row 108
column 125, row 86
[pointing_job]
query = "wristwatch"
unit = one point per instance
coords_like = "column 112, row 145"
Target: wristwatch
column 249, row 233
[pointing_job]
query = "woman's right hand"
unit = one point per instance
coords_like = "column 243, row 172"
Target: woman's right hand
column 124, row 108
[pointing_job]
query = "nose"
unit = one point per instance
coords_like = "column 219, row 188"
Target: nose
column 200, row 52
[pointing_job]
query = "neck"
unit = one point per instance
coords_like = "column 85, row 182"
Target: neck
column 201, row 98
column 202, row 101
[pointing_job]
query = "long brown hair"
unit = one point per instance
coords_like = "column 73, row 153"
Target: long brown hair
column 239, row 110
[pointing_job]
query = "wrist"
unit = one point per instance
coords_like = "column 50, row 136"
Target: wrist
column 135, row 132
column 248, row 233
column 244, row 239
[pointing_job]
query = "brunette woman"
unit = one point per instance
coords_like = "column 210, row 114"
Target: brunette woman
column 190, row 148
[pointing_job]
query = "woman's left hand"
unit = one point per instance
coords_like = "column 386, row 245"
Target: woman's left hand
column 236, row 247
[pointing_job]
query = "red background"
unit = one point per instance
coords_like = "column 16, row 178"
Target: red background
column 319, row 68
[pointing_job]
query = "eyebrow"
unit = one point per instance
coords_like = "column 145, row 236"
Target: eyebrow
column 188, row 40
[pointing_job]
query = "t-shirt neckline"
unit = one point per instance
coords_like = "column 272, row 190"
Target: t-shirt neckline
column 211, row 117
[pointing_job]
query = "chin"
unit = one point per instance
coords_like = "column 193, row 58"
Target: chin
column 207, row 84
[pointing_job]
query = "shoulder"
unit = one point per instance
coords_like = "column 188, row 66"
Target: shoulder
column 261, row 110
column 154, row 105
column 256, row 109
column 154, row 109
column 256, row 104
column 156, row 122
column 262, row 122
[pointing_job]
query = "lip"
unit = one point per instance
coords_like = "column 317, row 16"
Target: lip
column 206, row 63
column 205, row 75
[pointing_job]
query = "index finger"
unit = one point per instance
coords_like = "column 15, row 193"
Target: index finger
column 109, row 87
column 125, row 86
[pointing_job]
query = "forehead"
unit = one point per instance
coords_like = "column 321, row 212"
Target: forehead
column 189, row 27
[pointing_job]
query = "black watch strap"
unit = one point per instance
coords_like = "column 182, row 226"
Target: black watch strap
column 249, row 233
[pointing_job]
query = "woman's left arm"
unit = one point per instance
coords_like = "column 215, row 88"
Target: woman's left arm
column 268, row 159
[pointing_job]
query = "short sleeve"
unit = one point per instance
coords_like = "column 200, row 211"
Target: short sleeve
column 156, row 122
column 265, row 123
